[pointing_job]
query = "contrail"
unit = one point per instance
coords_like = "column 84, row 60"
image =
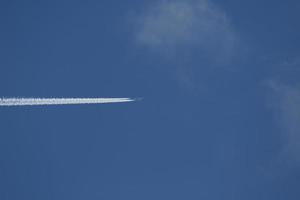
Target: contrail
column 59, row 101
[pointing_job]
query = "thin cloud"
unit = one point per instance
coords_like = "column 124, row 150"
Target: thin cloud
column 193, row 36
column 59, row 101
column 171, row 25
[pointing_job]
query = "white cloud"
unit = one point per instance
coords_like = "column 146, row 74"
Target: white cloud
column 194, row 36
column 171, row 25
column 288, row 108
column 59, row 101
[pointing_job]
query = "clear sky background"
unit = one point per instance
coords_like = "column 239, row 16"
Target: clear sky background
column 220, row 118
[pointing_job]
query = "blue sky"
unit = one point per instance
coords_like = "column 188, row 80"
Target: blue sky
column 220, row 115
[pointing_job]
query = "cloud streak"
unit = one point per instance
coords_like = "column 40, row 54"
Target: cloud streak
column 59, row 101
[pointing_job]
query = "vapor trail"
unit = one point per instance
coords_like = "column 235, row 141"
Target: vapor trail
column 58, row 101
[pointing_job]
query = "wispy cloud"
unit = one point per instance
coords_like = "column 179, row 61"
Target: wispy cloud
column 169, row 25
column 58, row 101
column 287, row 104
column 193, row 36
